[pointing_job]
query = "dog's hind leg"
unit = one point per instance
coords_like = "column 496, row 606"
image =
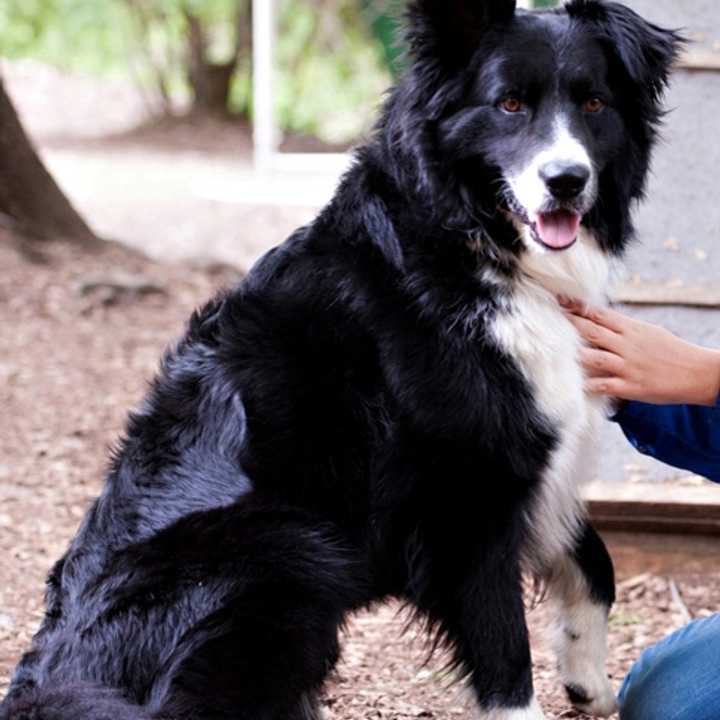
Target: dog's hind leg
column 264, row 658
column 309, row 708
column 279, row 584
column 72, row 701
column 229, row 614
column 581, row 590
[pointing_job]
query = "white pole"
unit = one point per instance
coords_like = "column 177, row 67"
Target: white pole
column 265, row 131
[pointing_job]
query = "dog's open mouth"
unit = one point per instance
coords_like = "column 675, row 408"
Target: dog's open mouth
column 556, row 230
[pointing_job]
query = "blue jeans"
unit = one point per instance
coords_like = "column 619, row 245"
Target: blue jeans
column 677, row 679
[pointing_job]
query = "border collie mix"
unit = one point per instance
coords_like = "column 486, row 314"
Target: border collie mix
column 389, row 404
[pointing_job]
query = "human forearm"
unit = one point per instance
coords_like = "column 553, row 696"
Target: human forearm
column 708, row 385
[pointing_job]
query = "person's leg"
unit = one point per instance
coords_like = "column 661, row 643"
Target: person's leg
column 677, row 679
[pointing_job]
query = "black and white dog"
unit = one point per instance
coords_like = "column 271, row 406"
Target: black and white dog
column 389, row 405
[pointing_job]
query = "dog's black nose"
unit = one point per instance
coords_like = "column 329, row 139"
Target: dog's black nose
column 563, row 180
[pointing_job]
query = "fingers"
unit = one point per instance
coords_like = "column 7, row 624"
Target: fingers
column 605, row 374
column 600, row 363
column 606, row 317
column 596, row 335
column 607, row 334
column 611, row 386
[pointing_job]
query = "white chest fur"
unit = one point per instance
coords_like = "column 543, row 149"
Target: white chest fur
column 534, row 331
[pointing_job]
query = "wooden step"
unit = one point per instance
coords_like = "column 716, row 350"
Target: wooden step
column 666, row 294
column 692, row 509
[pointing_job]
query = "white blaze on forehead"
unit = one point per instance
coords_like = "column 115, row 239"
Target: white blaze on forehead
column 564, row 148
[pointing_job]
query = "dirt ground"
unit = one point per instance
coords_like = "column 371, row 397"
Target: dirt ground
column 78, row 348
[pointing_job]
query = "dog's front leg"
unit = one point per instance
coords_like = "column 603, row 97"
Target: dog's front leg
column 494, row 646
column 581, row 588
column 483, row 619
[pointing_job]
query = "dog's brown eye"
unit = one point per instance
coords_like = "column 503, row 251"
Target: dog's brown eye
column 593, row 105
column 511, row 105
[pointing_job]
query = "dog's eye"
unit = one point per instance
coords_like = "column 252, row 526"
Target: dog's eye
column 512, row 104
column 593, row 105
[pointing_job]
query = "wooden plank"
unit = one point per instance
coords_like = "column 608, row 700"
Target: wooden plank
column 700, row 60
column 655, row 508
column 639, row 517
column 664, row 294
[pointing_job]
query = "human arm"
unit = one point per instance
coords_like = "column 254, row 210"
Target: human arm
column 672, row 387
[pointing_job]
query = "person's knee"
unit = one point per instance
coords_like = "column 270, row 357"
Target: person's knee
column 639, row 700
column 675, row 679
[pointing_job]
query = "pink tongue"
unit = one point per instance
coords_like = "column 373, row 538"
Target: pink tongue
column 558, row 229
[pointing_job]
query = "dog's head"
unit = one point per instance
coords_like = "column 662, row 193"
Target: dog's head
column 546, row 119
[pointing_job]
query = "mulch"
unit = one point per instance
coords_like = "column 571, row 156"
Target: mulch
column 81, row 336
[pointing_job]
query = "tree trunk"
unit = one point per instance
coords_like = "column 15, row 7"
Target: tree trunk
column 31, row 203
column 211, row 87
column 211, row 81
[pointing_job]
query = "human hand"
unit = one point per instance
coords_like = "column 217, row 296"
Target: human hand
column 634, row 360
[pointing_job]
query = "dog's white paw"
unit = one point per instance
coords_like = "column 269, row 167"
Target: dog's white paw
column 593, row 694
column 580, row 641
column 531, row 712
column 582, row 669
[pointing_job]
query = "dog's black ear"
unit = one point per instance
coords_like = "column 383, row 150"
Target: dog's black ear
column 450, row 30
column 647, row 51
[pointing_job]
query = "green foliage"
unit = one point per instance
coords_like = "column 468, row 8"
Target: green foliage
column 76, row 34
column 96, row 35
column 330, row 67
column 383, row 18
column 329, row 59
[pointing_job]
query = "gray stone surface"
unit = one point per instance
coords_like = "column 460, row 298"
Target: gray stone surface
column 693, row 16
column 679, row 224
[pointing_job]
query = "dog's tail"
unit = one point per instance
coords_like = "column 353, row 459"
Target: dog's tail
column 71, row 702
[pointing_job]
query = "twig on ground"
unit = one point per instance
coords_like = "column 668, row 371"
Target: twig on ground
column 112, row 289
column 679, row 602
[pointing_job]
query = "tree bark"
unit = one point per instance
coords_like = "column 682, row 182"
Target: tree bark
column 31, row 203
